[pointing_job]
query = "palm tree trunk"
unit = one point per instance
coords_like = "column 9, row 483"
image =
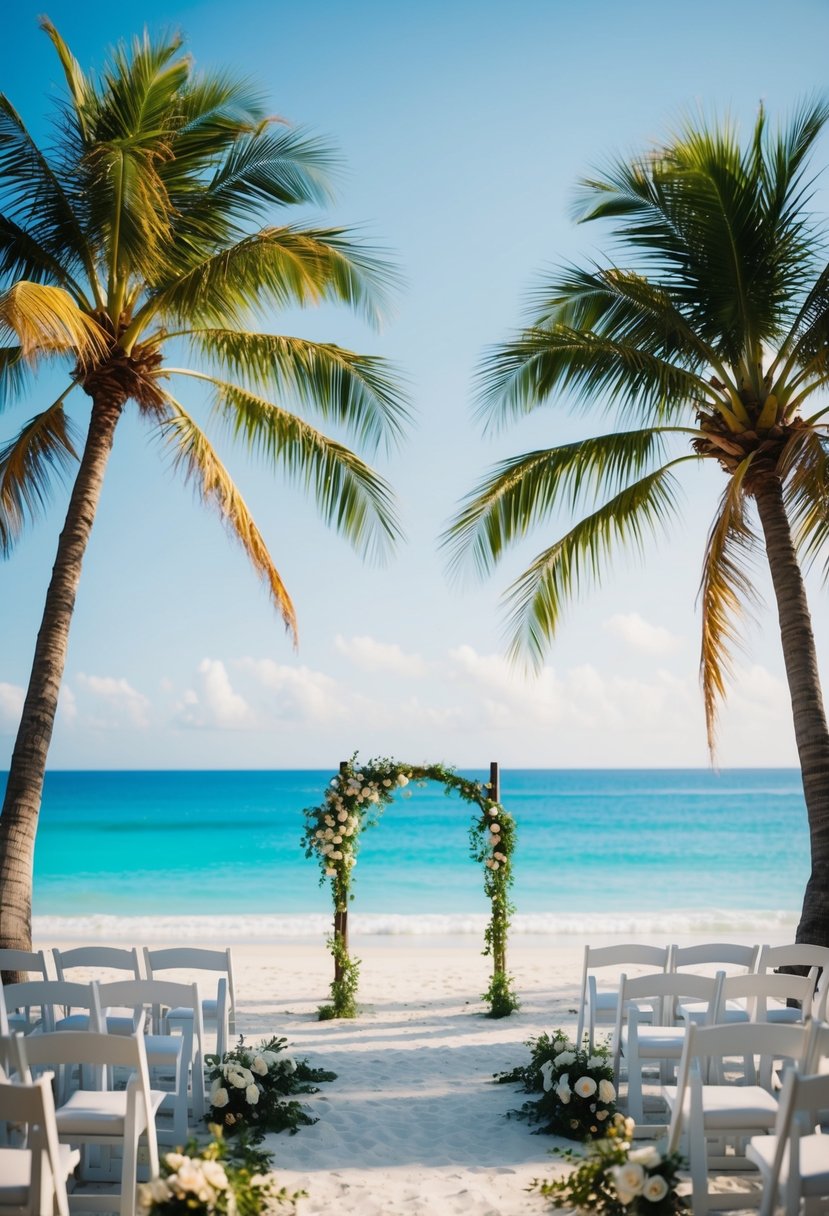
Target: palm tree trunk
column 811, row 733
column 21, row 806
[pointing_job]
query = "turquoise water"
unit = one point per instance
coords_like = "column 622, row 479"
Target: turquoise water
column 652, row 844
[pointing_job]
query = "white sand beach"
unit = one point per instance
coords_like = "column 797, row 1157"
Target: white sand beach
column 413, row 1124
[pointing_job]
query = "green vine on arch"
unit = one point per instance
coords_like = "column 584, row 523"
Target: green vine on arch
column 354, row 800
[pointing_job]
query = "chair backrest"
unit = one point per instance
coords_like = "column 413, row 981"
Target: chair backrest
column 768, row 1042
column 761, row 986
column 800, row 1098
column 48, row 995
column 191, row 958
column 153, row 995
column 714, row 954
column 101, row 1052
column 793, row 955
column 663, row 989
column 31, row 961
column 32, row 1104
column 627, row 954
column 96, row 958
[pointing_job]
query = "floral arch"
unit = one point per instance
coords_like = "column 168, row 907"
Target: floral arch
column 354, row 800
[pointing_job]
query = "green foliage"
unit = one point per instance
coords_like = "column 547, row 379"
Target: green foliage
column 251, row 1088
column 615, row 1179
column 343, row 989
column 577, row 1096
column 354, row 800
column 500, row 997
column 217, row 1179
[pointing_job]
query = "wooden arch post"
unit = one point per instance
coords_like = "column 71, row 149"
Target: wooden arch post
column 499, row 940
column 340, row 919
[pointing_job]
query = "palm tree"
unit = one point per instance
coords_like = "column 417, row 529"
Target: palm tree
column 710, row 345
column 138, row 230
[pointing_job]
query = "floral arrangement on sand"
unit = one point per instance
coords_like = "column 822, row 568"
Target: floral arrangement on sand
column 577, row 1098
column 251, row 1088
column 616, row 1179
column 215, row 1180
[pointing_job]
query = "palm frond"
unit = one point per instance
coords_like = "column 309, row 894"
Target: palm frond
column 536, row 599
column 283, row 266
column 350, row 496
column 523, row 491
column 518, row 376
column 34, row 197
column 358, row 392
column 81, row 90
column 195, row 457
column 725, row 592
column 804, row 471
column 21, row 257
column 46, row 319
column 41, row 450
column 14, row 374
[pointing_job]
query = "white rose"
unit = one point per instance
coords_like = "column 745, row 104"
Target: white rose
column 402, row 779
column 562, row 1045
column 252, row 1094
column 655, row 1188
column 563, row 1089
column 607, row 1092
column 601, row 1114
column 259, row 1066
column 288, row 1064
column 236, row 1080
column 270, row 1057
column 159, row 1190
column 585, row 1087
column 330, row 873
column 342, row 816
column 629, row 1178
column 595, row 1061
column 564, row 1057
column 496, row 865
column 215, row 1175
column 176, row 1160
column 649, row 1156
column 493, row 811
column 219, row 1097
column 547, row 1075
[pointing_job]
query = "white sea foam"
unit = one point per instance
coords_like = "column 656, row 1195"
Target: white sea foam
column 251, row 928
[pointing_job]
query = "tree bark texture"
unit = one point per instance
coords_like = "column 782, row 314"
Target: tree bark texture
column 21, row 806
column 808, row 711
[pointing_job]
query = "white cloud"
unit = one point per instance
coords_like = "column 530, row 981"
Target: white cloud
column 11, row 706
column 371, row 655
column 639, row 634
column 297, row 693
column 215, row 705
column 122, row 701
column 67, row 704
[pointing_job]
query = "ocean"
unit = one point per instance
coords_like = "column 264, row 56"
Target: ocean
column 661, row 851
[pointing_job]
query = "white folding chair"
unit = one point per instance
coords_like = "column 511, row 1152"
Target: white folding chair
column 218, row 1011
column 176, row 1061
column 797, row 954
column 96, row 959
column 33, row 1173
column 746, row 998
column 707, row 1108
column 117, row 1119
column 794, row 1160
column 56, row 999
column 649, row 1029
column 718, row 956
column 30, row 963
column 598, row 1005
column 100, row 959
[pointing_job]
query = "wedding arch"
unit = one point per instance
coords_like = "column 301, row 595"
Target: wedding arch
column 354, row 800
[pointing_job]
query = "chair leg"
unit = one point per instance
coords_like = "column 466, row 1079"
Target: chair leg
column 636, row 1104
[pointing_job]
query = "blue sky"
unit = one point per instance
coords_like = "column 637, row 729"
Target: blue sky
column 463, row 129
